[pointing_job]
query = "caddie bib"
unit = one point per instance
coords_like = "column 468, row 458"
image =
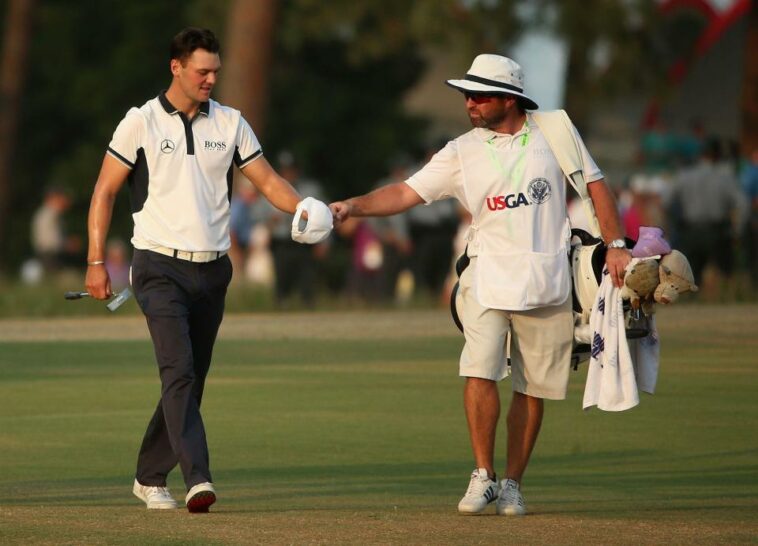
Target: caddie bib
column 520, row 230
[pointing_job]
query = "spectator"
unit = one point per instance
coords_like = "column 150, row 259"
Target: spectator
column 295, row 264
column 52, row 246
column 750, row 188
column 657, row 147
column 432, row 230
column 117, row 263
column 709, row 200
column 241, row 226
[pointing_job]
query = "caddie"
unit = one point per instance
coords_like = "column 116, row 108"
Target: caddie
column 506, row 175
column 177, row 152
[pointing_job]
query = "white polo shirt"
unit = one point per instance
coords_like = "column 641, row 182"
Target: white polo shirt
column 443, row 177
column 180, row 183
column 516, row 193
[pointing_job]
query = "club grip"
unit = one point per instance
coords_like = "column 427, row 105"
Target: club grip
column 75, row 295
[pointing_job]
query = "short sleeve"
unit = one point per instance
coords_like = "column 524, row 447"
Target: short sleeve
column 127, row 138
column 248, row 147
column 591, row 171
column 441, row 177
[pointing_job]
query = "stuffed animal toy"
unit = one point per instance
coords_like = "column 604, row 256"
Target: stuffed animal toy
column 675, row 278
column 650, row 243
column 640, row 283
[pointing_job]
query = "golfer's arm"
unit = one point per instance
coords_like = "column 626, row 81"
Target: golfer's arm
column 112, row 176
column 606, row 210
column 385, row 201
column 276, row 189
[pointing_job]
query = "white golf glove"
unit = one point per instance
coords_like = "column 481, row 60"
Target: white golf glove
column 319, row 223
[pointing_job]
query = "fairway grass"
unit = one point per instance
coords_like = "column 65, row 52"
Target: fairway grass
column 347, row 428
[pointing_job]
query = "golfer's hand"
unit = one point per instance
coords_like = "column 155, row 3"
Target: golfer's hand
column 98, row 282
column 616, row 260
column 340, row 211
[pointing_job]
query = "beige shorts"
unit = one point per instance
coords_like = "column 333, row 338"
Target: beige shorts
column 540, row 346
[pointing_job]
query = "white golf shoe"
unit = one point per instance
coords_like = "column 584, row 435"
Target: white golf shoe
column 155, row 497
column 481, row 491
column 510, row 502
column 200, row 497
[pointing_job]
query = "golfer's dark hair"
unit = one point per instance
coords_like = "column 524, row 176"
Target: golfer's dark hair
column 190, row 39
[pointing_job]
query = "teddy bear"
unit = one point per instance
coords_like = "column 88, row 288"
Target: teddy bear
column 640, row 282
column 675, row 278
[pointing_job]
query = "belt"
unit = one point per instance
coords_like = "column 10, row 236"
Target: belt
column 200, row 257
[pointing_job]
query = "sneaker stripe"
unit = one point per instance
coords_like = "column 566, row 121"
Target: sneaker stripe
column 490, row 494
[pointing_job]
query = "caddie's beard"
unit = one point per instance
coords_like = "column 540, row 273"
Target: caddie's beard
column 488, row 122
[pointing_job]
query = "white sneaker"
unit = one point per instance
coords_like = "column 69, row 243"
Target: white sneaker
column 510, row 502
column 481, row 491
column 156, row 497
column 200, row 497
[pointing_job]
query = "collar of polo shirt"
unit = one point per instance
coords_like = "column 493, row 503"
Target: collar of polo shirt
column 171, row 109
column 488, row 134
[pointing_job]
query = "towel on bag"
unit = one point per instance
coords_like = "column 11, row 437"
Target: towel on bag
column 618, row 368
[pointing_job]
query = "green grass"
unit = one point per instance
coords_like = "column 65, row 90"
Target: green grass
column 364, row 441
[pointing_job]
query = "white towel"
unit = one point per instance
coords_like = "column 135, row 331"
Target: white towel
column 615, row 371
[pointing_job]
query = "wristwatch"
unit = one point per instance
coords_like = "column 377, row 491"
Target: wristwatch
column 617, row 243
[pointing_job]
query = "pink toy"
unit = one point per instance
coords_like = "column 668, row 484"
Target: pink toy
column 650, row 243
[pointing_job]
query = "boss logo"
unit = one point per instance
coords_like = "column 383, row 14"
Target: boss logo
column 215, row 145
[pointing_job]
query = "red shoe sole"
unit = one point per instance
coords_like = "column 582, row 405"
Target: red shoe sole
column 201, row 501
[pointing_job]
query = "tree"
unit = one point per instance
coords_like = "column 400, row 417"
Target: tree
column 18, row 24
column 750, row 85
column 247, row 56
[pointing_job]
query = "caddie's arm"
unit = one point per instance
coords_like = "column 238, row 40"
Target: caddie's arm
column 610, row 227
column 112, row 176
column 385, row 201
column 276, row 189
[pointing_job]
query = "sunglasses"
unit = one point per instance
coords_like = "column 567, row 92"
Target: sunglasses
column 481, row 97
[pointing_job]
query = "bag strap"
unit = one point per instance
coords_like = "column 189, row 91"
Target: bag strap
column 560, row 136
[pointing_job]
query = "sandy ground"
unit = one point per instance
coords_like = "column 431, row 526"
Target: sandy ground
column 309, row 325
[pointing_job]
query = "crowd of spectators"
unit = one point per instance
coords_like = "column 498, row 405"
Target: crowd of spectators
column 702, row 192
column 697, row 187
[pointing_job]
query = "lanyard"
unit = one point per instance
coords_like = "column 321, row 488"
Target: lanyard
column 518, row 165
column 516, row 172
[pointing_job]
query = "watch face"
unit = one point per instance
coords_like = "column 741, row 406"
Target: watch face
column 617, row 243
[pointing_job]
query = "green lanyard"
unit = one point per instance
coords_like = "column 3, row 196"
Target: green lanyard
column 518, row 165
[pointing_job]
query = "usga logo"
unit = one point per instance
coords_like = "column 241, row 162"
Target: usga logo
column 215, row 145
column 538, row 190
column 510, row 201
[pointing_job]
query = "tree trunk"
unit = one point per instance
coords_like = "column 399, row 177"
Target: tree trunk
column 750, row 86
column 246, row 59
column 12, row 72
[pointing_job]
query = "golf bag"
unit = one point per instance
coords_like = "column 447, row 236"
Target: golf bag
column 587, row 258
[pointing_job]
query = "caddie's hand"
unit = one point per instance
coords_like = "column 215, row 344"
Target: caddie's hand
column 97, row 282
column 340, row 212
column 616, row 260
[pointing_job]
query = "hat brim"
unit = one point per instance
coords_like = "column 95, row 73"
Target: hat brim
column 476, row 87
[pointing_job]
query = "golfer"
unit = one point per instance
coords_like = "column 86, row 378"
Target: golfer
column 177, row 152
column 505, row 174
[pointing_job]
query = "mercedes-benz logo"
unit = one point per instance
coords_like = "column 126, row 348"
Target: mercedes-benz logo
column 167, row 146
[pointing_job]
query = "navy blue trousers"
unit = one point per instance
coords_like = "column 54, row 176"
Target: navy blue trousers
column 183, row 303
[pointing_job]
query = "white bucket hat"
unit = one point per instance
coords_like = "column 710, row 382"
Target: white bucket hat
column 319, row 223
column 494, row 74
